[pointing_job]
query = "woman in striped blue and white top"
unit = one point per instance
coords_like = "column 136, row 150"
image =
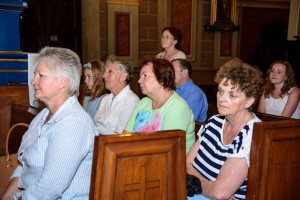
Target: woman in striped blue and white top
column 220, row 157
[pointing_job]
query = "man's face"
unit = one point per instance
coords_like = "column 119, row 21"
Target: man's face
column 180, row 74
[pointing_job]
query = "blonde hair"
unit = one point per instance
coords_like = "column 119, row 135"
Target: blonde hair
column 98, row 89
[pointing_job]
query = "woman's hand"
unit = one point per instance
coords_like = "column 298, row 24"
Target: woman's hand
column 11, row 189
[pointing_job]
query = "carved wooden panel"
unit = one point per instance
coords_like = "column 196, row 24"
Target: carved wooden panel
column 139, row 166
column 275, row 161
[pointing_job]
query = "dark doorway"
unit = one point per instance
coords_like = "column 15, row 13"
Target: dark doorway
column 51, row 23
column 264, row 36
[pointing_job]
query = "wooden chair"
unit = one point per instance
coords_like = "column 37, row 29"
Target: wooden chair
column 274, row 171
column 139, row 166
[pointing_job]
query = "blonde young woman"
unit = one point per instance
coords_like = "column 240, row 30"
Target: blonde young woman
column 281, row 94
column 94, row 86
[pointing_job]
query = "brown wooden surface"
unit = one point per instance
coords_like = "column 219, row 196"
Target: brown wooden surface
column 139, row 166
column 274, row 171
column 23, row 114
column 17, row 114
column 10, row 95
column 20, row 114
column 267, row 117
column 213, row 110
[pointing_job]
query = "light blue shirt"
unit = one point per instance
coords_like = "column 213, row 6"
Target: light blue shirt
column 195, row 98
column 56, row 157
column 91, row 106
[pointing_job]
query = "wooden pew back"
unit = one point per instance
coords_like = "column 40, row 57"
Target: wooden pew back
column 139, row 166
column 274, row 171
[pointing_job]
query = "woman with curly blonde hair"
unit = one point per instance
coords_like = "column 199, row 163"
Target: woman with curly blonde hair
column 281, row 94
column 94, row 86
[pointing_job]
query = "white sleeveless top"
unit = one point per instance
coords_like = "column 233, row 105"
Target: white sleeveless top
column 276, row 106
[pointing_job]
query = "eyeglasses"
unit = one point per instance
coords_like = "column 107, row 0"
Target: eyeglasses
column 166, row 37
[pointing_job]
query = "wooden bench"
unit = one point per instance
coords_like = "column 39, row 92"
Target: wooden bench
column 213, row 110
column 20, row 114
column 139, row 166
column 274, row 171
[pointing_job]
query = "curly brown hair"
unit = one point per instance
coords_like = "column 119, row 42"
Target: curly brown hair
column 98, row 88
column 288, row 83
column 247, row 78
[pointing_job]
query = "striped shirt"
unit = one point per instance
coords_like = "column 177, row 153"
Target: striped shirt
column 56, row 157
column 213, row 152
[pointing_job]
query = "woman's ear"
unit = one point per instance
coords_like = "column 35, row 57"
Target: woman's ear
column 124, row 76
column 249, row 102
column 63, row 82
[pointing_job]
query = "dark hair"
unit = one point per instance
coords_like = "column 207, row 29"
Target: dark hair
column 288, row 83
column 246, row 77
column 184, row 64
column 176, row 33
column 163, row 71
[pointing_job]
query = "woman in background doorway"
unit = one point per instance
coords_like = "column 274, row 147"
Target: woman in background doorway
column 170, row 41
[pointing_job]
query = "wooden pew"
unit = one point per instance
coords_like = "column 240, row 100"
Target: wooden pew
column 10, row 95
column 20, row 114
column 139, row 166
column 267, row 117
column 274, row 171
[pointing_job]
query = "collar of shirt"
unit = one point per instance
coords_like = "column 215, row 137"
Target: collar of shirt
column 121, row 95
column 184, row 86
column 66, row 105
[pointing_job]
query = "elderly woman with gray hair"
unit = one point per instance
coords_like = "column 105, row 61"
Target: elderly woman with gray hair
column 56, row 152
column 115, row 109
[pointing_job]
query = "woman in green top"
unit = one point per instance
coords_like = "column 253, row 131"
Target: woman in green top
column 162, row 108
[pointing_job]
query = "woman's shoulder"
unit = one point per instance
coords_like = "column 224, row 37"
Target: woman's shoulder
column 180, row 54
column 160, row 55
column 177, row 98
column 294, row 90
column 132, row 96
column 177, row 101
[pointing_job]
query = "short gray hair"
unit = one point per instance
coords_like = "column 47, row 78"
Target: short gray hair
column 62, row 62
column 123, row 66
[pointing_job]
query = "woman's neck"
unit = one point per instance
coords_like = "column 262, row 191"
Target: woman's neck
column 171, row 51
column 278, row 86
column 234, row 125
column 159, row 100
column 118, row 89
column 54, row 104
column 276, row 92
